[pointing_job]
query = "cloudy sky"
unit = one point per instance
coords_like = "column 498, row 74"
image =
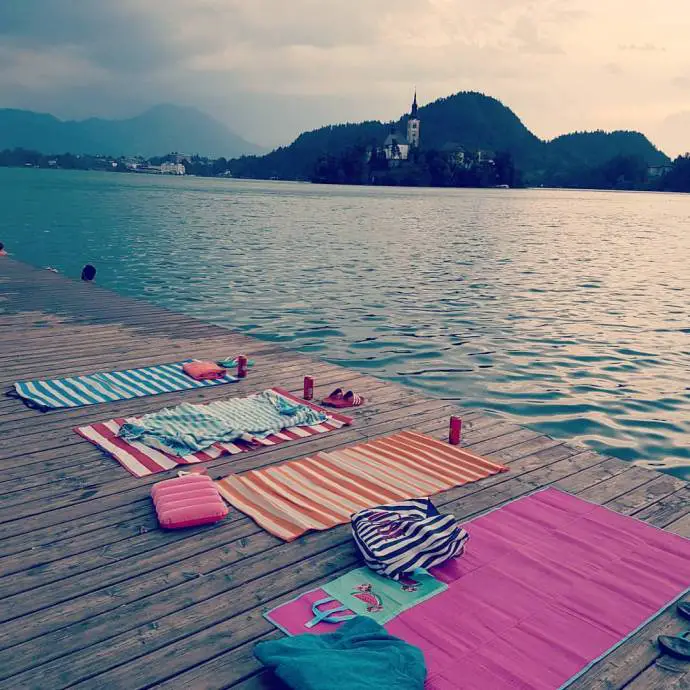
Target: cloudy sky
column 272, row 68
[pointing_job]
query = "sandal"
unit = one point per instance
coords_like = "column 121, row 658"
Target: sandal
column 676, row 645
column 335, row 398
column 352, row 399
column 684, row 608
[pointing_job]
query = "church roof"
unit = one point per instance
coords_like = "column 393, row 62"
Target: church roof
column 399, row 139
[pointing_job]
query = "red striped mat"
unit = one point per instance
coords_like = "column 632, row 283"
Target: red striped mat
column 142, row 460
column 324, row 490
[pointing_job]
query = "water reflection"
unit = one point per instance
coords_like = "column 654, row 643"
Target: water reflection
column 567, row 311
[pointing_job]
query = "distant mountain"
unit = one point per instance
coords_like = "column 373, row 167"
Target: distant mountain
column 157, row 131
column 469, row 120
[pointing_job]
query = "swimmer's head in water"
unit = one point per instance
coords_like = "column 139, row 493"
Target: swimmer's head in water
column 88, row 272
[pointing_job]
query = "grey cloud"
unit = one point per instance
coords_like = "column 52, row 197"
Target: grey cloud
column 271, row 68
column 115, row 35
column 140, row 38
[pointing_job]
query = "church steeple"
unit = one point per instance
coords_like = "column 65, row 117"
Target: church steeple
column 413, row 124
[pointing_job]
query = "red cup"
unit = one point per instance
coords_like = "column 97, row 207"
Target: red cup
column 241, row 367
column 455, row 432
column 308, row 387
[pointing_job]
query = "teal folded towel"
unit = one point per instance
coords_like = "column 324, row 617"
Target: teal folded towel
column 360, row 655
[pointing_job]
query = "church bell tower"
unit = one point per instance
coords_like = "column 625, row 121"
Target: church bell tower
column 413, row 125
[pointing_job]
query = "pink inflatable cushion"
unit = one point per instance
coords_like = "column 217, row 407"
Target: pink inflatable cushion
column 187, row 502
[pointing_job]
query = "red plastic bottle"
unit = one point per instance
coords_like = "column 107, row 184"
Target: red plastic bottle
column 241, row 367
column 308, row 387
column 455, row 432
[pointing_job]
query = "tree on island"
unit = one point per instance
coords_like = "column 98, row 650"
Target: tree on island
column 677, row 179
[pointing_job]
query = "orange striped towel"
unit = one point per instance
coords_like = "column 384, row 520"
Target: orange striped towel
column 324, row 490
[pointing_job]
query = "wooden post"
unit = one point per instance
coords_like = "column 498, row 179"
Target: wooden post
column 455, row 432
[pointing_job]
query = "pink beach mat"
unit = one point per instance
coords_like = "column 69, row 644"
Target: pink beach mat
column 549, row 584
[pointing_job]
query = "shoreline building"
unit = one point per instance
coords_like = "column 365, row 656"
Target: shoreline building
column 397, row 146
column 172, row 169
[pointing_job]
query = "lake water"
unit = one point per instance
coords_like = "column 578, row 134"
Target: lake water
column 567, row 311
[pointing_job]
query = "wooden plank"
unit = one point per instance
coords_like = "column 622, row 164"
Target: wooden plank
column 239, row 663
column 128, row 359
column 22, row 421
column 11, row 516
column 16, row 489
column 668, row 509
column 464, row 505
column 60, row 437
column 113, row 351
column 73, row 525
column 620, row 667
column 82, row 664
column 198, row 679
column 680, row 526
column 61, row 443
column 37, row 559
column 16, row 561
column 61, row 616
column 627, row 480
column 664, row 674
column 647, row 494
column 61, row 422
column 99, row 597
column 611, row 467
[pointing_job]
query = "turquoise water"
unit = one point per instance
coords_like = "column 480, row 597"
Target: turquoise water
column 567, row 311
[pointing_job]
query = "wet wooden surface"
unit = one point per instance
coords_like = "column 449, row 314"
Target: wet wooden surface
column 94, row 595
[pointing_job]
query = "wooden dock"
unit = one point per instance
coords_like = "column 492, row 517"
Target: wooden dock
column 94, row 595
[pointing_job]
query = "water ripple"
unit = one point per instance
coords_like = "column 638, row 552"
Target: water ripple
column 566, row 311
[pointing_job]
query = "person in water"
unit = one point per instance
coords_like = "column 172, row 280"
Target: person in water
column 88, row 273
column 2, row 250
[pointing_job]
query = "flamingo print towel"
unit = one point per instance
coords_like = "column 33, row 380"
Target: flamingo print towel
column 360, row 592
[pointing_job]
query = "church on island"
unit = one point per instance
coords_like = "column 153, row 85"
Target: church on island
column 397, row 146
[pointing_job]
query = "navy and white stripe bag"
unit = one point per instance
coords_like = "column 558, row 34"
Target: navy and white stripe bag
column 399, row 538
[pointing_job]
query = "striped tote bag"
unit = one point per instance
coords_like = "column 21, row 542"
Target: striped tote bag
column 397, row 539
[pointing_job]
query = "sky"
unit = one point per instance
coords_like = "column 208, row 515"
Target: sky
column 273, row 68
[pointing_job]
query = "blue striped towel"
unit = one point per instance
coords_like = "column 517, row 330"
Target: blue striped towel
column 397, row 539
column 109, row 386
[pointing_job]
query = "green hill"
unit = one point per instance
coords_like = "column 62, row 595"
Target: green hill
column 297, row 161
column 469, row 120
column 476, row 122
column 598, row 159
column 595, row 148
